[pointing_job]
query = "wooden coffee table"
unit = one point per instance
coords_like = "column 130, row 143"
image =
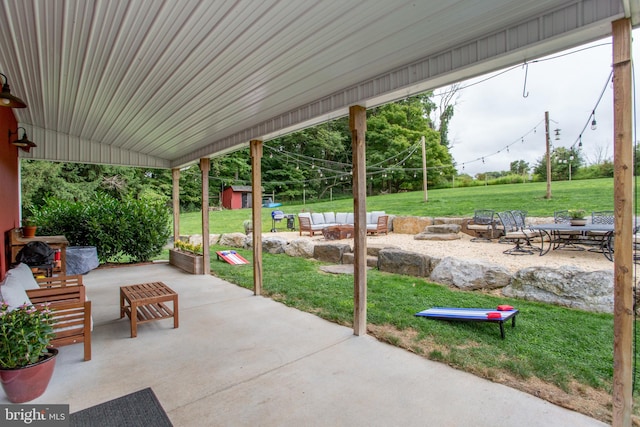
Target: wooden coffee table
column 147, row 300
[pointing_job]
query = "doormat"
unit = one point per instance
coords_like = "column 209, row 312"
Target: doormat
column 139, row 409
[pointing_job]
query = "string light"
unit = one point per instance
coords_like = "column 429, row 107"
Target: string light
column 414, row 148
column 592, row 116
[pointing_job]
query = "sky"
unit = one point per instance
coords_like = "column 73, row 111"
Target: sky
column 493, row 114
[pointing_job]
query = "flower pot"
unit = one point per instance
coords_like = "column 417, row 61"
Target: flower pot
column 577, row 222
column 27, row 383
column 191, row 263
column 29, row 231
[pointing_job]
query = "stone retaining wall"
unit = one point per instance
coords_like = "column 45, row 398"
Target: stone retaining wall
column 566, row 286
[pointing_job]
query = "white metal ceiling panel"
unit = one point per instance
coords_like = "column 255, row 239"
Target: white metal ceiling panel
column 162, row 83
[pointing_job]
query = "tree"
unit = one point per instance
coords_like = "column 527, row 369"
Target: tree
column 564, row 161
column 519, row 167
column 444, row 111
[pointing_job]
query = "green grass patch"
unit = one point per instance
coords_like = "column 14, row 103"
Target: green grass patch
column 590, row 194
column 552, row 343
column 570, row 349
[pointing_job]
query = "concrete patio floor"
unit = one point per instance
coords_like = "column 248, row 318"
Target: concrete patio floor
column 242, row 360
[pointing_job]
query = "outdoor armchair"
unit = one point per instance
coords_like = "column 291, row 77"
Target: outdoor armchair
column 483, row 224
column 521, row 236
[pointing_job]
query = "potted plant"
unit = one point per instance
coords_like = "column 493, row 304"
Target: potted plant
column 577, row 216
column 29, row 227
column 187, row 256
column 26, row 362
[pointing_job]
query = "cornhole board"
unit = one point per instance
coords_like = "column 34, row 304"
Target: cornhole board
column 496, row 315
column 232, row 257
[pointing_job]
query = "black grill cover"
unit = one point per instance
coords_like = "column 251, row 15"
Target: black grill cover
column 35, row 253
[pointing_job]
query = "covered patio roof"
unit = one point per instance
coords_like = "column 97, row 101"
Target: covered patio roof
column 164, row 83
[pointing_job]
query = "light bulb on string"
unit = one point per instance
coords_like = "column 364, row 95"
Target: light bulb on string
column 594, row 125
column 580, row 141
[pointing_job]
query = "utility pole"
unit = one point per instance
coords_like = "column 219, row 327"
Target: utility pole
column 424, row 169
column 548, row 141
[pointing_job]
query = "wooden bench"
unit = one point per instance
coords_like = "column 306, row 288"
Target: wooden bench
column 66, row 297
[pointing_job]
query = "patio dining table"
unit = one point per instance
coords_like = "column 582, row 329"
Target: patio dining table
column 552, row 232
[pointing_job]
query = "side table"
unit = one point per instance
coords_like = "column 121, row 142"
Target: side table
column 145, row 303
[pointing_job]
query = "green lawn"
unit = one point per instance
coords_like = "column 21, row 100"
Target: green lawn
column 570, row 351
column 591, row 195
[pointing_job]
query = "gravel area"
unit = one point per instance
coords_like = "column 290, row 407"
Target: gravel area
column 490, row 252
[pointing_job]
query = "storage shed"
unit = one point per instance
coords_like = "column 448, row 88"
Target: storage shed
column 236, row 197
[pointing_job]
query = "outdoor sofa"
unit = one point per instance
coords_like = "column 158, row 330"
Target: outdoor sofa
column 377, row 221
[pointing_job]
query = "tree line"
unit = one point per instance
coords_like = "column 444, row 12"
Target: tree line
column 314, row 163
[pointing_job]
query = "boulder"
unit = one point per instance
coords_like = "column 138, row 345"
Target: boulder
column 436, row 237
column 470, row 274
column 374, row 248
column 274, row 244
column 448, row 220
column 568, row 286
column 196, row 239
column 404, row 262
column 331, row 252
column 442, row 229
column 300, row 248
column 348, row 257
column 439, row 232
column 235, row 240
column 410, row 224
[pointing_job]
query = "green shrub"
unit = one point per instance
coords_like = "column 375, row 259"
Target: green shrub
column 131, row 228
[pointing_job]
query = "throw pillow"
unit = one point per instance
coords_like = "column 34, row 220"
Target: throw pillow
column 23, row 274
column 13, row 294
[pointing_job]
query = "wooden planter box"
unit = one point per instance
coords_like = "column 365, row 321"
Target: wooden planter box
column 188, row 262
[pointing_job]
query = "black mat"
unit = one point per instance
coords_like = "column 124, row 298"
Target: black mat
column 139, row 409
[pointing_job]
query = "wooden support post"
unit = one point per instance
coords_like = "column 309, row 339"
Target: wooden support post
column 424, row 169
column 205, row 165
column 358, row 126
column 623, row 225
column 256, row 210
column 548, row 156
column 175, row 176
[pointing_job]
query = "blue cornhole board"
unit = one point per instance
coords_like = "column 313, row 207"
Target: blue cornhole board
column 472, row 315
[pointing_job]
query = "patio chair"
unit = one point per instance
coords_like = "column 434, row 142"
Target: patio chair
column 517, row 235
column 483, row 225
column 566, row 239
column 598, row 239
column 66, row 297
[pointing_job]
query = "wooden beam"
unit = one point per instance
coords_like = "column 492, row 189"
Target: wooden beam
column 358, row 126
column 623, row 224
column 256, row 210
column 205, row 165
column 175, row 176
